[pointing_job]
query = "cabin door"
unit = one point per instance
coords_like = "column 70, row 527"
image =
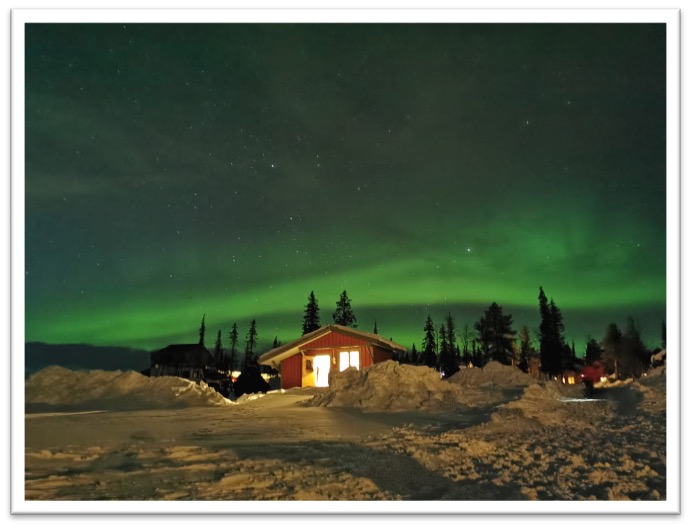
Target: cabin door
column 321, row 365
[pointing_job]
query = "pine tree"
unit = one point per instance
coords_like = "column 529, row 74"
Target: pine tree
column 612, row 348
column 311, row 318
column 524, row 348
column 344, row 313
column 552, row 344
column 481, row 345
column 233, row 337
column 477, row 354
column 442, row 345
column 496, row 335
column 451, row 330
column 466, row 339
column 276, row 343
column 428, row 355
column 202, row 330
column 218, row 351
column 413, row 357
column 635, row 354
column 449, row 363
column 593, row 351
column 250, row 344
column 376, row 330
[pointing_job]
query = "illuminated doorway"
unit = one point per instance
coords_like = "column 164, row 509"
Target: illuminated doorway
column 321, row 365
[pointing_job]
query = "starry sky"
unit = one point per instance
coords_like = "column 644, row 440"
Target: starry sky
column 177, row 170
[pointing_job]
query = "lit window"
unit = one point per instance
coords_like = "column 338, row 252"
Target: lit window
column 349, row 359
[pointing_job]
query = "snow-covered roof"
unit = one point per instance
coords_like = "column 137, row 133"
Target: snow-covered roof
column 280, row 353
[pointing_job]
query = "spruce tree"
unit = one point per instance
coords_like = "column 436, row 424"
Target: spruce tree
column 250, row 344
column 311, row 318
column 344, row 313
column 552, row 344
column 524, row 348
column 442, row 345
column 593, row 351
column 466, row 339
column 428, row 355
column 451, row 330
column 218, row 351
column 477, row 354
column 202, row 330
column 496, row 335
column 449, row 363
column 482, row 343
column 612, row 348
column 276, row 343
column 413, row 357
column 376, row 330
column 233, row 337
column 635, row 354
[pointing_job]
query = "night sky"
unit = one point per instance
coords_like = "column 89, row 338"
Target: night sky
column 179, row 170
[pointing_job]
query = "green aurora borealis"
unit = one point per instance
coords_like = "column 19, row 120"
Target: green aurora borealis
column 228, row 170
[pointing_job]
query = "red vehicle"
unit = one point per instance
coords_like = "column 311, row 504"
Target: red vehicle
column 590, row 375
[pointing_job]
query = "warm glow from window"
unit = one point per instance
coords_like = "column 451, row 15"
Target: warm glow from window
column 349, row 359
column 570, row 380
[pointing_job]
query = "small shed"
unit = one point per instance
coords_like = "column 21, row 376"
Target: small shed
column 184, row 361
column 307, row 361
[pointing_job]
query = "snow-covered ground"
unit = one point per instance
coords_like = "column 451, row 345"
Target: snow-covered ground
column 390, row 432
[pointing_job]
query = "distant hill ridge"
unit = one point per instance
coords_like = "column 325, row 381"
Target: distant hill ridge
column 83, row 357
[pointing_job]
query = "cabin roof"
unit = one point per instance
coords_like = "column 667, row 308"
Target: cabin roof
column 280, row 353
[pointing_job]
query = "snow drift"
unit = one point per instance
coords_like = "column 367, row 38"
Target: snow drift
column 58, row 388
column 494, row 373
column 391, row 386
column 541, row 442
column 388, row 386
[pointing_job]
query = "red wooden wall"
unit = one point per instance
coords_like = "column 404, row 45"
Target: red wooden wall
column 381, row 354
column 291, row 371
column 292, row 367
column 332, row 339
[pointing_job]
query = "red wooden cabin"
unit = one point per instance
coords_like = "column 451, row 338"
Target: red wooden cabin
column 306, row 362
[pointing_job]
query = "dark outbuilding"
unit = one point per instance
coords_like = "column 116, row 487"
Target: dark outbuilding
column 184, row 361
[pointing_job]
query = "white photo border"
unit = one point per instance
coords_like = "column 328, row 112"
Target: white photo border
column 670, row 17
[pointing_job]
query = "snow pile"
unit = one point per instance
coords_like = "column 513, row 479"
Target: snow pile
column 252, row 396
column 653, row 390
column 656, row 372
column 659, row 358
column 389, row 386
column 60, row 388
column 552, row 403
column 494, row 373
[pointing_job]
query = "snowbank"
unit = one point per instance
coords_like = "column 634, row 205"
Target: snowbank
column 494, row 373
column 389, row 386
column 548, row 444
column 59, row 388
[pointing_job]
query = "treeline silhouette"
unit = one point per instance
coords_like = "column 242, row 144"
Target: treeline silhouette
column 444, row 348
